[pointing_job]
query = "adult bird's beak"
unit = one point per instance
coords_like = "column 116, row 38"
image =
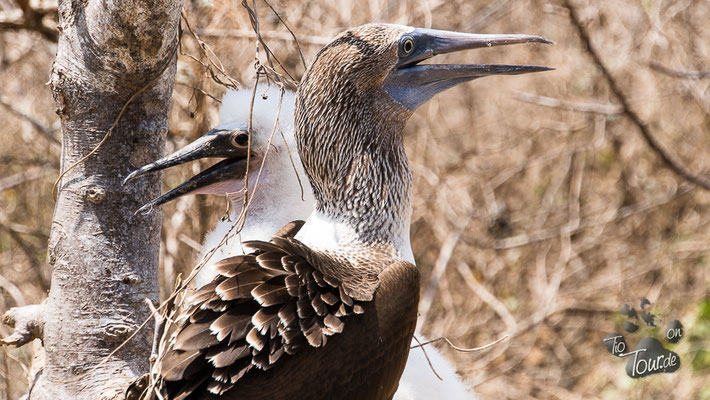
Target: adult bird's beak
column 412, row 84
column 223, row 143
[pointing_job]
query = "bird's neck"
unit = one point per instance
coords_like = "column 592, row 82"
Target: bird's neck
column 352, row 151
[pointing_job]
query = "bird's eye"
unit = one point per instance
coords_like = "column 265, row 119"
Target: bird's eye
column 407, row 45
column 240, row 139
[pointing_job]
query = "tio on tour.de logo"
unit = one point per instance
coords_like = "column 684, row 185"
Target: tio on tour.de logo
column 649, row 357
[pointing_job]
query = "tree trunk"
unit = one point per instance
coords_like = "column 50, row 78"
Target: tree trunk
column 104, row 259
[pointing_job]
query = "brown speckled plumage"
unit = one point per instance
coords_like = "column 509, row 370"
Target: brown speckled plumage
column 279, row 307
column 352, row 149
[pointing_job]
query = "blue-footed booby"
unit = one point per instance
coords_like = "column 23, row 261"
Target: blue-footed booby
column 329, row 312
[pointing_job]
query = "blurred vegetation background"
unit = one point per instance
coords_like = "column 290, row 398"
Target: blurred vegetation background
column 539, row 209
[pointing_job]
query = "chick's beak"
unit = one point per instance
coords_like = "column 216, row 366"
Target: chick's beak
column 215, row 143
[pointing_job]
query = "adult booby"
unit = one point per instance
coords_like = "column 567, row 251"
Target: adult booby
column 329, row 313
column 279, row 199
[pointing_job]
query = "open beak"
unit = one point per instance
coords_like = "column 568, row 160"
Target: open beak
column 412, row 84
column 215, row 143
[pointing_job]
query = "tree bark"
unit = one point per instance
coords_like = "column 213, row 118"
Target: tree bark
column 104, row 259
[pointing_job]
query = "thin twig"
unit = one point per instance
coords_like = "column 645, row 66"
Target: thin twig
column 421, row 346
column 594, row 108
column 655, row 65
column 25, row 247
column 114, row 351
column 214, row 64
column 269, row 35
column 524, row 239
column 159, row 324
column 276, row 126
column 195, row 89
column 192, row 243
column 293, row 35
column 270, row 56
column 462, row 349
column 655, row 145
column 6, row 223
column 13, row 291
column 440, row 266
column 293, row 165
column 487, row 297
column 250, row 127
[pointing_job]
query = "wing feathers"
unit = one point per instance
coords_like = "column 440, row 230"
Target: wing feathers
column 179, row 365
column 329, row 298
column 240, row 285
column 333, row 323
column 225, row 356
column 261, row 306
column 271, row 292
column 195, row 337
column 231, row 324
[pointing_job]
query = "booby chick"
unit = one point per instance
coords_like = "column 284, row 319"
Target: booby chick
column 330, row 312
column 282, row 194
column 279, row 200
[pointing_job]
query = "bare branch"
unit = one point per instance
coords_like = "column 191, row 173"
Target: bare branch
column 32, row 21
column 442, row 262
column 195, row 89
column 13, row 230
column 670, row 160
column 293, row 35
column 270, row 56
column 21, row 177
column 13, row 291
column 604, row 218
column 28, row 322
column 525, row 239
column 46, row 132
column 487, row 297
column 47, row 32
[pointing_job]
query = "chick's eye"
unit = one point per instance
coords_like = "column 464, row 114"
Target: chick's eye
column 407, row 45
column 240, row 140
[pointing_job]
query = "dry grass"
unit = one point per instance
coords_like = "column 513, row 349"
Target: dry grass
column 533, row 217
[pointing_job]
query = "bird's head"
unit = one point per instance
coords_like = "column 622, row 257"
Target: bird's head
column 355, row 98
column 230, row 141
column 375, row 56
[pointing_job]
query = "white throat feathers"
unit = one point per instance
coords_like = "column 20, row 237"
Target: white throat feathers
column 278, row 198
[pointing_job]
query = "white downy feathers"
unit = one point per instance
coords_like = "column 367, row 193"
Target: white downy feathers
column 278, row 198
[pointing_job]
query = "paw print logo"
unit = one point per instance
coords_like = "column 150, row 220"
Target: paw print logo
column 650, row 356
